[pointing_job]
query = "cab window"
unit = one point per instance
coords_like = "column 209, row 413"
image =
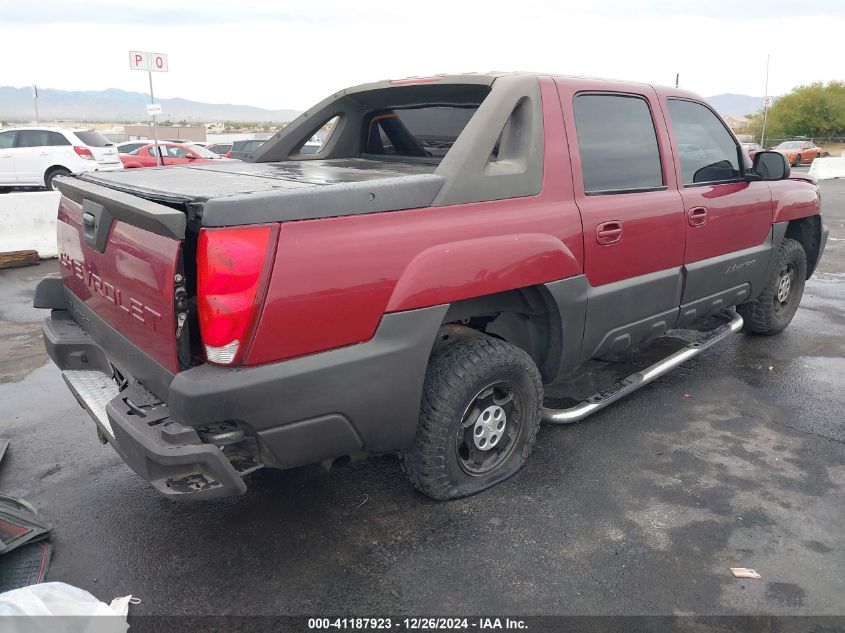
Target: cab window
column 706, row 149
column 617, row 143
column 6, row 139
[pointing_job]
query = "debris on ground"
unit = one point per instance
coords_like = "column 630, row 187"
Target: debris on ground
column 25, row 550
column 61, row 599
column 15, row 259
column 745, row 572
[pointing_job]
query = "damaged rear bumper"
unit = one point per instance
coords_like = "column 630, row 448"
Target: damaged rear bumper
column 171, row 456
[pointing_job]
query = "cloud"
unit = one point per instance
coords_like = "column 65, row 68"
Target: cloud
column 282, row 55
column 338, row 12
column 186, row 14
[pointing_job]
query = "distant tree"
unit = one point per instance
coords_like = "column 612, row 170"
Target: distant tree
column 817, row 111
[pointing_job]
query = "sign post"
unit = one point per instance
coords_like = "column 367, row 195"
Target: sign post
column 151, row 62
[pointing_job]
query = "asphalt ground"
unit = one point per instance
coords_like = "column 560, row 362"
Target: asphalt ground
column 734, row 460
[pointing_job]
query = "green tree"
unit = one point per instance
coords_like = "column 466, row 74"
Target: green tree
column 817, row 110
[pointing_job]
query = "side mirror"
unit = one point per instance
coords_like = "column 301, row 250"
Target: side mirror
column 771, row 165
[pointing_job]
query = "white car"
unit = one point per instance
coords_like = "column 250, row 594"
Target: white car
column 33, row 156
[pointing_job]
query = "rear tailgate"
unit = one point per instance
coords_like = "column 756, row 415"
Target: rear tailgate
column 105, row 155
column 119, row 255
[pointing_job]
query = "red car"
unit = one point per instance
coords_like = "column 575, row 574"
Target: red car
column 428, row 283
column 171, row 154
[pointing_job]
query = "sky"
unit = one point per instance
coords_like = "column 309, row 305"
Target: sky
column 284, row 54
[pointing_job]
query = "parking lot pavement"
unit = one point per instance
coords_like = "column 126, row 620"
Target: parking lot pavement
column 735, row 459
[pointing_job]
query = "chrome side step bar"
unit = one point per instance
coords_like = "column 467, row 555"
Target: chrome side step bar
column 638, row 379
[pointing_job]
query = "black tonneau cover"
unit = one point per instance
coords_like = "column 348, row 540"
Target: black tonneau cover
column 234, row 192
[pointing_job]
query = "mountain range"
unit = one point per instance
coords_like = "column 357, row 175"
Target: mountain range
column 737, row 105
column 119, row 105
column 113, row 104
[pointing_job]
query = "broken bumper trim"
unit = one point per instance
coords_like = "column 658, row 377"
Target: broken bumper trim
column 167, row 454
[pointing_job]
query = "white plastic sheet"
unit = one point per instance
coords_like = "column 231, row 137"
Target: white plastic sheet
column 56, row 607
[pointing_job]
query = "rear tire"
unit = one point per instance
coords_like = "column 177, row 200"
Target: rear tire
column 775, row 306
column 52, row 174
column 479, row 418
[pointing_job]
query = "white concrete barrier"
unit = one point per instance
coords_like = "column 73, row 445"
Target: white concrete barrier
column 28, row 222
column 824, row 168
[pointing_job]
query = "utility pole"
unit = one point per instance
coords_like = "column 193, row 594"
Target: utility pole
column 35, row 100
column 766, row 102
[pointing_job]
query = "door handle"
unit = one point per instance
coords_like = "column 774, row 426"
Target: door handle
column 45, row 153
column 697, row 216
column 609, row 232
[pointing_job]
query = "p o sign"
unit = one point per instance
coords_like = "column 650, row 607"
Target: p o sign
column 142, row 60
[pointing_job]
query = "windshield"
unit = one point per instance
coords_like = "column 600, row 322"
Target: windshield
column 202, row 151
column 790, row 145
column 93, row 139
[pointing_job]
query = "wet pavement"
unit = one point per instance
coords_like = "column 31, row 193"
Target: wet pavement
column 735, row 459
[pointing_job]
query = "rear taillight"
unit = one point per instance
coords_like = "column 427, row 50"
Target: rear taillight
column 229, row 154
column 231, row 266
column 84, row 152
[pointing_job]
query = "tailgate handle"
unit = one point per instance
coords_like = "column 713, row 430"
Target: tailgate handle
column 96, row 224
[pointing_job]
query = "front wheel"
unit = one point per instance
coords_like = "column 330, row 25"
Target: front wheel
column 775, row 306
column 479, row 418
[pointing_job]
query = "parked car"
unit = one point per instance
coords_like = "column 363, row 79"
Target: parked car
column 380, row 297
column 127, row 147
column 171, row 154
column 751, row 149
column 799, row 152
column 221, row 149
column 35, row 155
column 243, row 149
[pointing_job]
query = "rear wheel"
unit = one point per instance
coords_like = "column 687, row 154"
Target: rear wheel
column 775, row 306
column 52, row 174
column 479, row 418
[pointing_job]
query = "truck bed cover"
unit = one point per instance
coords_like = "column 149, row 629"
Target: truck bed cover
column 234, row 192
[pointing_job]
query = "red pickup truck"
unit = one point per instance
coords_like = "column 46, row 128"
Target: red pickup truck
column 457, row 244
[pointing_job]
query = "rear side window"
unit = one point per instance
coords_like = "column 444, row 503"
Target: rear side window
column 40, row 138
column 617, row 144
column 93, row 139
column 707, row 151
column 415, row 132
column 6, row 139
